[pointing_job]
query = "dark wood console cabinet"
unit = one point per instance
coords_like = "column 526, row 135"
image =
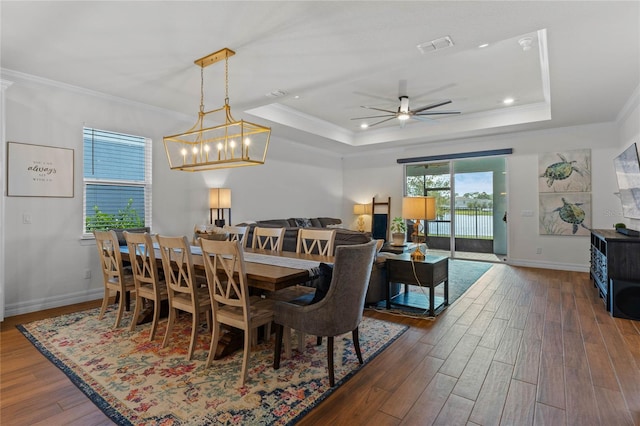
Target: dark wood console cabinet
column 614, row 256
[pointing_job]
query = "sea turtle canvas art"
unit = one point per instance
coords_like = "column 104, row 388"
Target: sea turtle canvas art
column 568, row 171
column 565, row 214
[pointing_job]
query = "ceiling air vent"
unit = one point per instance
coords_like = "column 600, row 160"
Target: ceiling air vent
column 437, row 44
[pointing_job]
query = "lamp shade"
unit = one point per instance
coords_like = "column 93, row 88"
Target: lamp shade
column 219, row 198
column 359, row 209
column 419, row 208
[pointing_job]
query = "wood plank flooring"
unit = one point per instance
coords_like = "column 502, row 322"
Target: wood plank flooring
column 522, row 347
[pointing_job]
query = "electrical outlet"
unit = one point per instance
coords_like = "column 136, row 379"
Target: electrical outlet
column 539, row 250
column 87, row 274
column 26, row 218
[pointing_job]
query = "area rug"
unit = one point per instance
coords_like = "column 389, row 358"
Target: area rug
column 134, row 381
column 462, row 274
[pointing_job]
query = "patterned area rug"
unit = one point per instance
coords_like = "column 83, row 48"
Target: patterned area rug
column 134, row 381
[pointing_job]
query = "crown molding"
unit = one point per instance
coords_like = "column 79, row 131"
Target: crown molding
column 30, row 78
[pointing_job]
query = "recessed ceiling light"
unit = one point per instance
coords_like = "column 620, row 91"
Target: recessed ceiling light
column 364, row 125
column 508, row 101
column 483, row 45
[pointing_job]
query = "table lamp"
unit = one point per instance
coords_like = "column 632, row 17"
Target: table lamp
column 360, row 210
column 418, row 208
column 219, row 199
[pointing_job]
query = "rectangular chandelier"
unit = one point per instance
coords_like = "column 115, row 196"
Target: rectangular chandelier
column 232, row 144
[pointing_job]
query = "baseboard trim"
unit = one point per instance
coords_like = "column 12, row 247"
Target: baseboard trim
column 52, row 302
column 549, row 265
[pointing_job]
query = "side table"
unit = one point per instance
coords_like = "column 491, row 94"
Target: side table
column 431, row 272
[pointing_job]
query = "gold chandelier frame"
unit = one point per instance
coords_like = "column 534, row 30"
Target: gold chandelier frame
column 232, row 144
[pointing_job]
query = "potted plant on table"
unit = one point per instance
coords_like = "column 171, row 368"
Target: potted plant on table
column 398, row 231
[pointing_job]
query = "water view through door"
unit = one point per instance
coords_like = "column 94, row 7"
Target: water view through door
column 471, row 206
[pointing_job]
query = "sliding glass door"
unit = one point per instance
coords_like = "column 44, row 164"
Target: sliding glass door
column 471, row 206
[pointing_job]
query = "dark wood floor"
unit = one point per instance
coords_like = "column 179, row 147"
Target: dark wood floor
column 522, row 346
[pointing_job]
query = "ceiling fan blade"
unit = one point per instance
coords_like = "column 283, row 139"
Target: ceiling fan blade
column 438, row 113
column 434, row 105
column 423, row 118
column 373, row 116
column 378, row 109
column 369, row 95
column 379, row 122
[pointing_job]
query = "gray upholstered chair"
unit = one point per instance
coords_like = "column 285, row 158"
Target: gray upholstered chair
column 341, row 309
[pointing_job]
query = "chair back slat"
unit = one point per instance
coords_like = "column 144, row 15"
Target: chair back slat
column 142, row 257
column 268, row 238
column 316, row 241
column 177, row 264
column 237, row 233
column 110, row 257
column 226, row 273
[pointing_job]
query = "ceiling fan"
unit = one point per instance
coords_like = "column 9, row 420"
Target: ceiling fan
column 404, row 113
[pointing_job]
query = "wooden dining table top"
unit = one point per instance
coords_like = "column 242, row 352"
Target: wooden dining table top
column 264, row 276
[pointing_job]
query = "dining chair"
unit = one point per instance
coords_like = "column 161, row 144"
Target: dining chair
column 268, row 238
column 237, row 233
column 149, row 285
column 230, row 301
column 310, row 241
column 113, row 274
column 184, row 292
column 316, row 241
column 339, row 312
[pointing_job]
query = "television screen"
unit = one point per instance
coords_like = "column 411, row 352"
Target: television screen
column 627, row 167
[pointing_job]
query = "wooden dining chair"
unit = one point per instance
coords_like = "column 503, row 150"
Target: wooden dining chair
column 230, row 301
column 268, row 238
column 113, row 274
column 316, row 241
column 149, row 286
column 184, row 293
column 237, row 233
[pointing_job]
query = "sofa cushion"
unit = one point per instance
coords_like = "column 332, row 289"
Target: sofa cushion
column 324, row 221
column 273, row 223
column 315, row 222
column 302, row 222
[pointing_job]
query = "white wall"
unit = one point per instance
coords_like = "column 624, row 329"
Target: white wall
column 629, row 129
column 379, row 173
column 46, row 260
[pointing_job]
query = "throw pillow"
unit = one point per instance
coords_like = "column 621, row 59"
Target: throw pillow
column 322, row 287
column 303, row 222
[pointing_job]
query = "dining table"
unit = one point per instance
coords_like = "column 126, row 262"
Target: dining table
column 266, row 270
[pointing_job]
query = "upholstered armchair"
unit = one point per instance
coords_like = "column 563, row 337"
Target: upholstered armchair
column 341, row 309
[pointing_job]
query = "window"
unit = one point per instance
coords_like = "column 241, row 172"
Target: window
column 117, row 180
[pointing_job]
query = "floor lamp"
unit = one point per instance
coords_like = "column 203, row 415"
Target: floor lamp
column 418, row 208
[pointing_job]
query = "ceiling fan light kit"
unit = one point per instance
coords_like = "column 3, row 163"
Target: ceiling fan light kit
column 232, row 144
